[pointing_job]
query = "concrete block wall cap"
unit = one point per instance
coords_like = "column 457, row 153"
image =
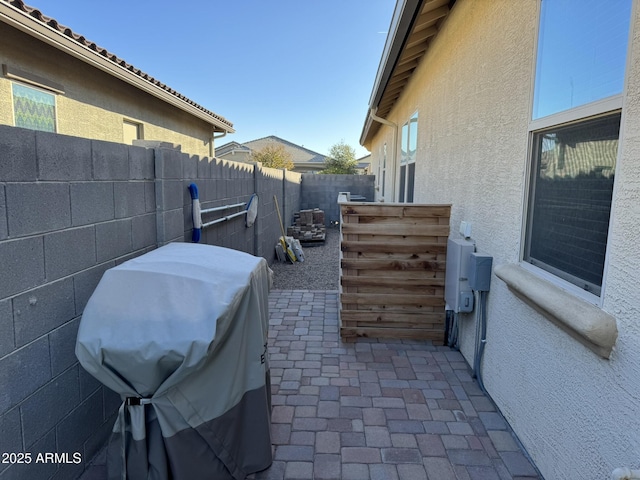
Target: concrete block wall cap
column 589, row 324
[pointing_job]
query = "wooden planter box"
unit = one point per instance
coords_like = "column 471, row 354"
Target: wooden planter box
column 392, row 270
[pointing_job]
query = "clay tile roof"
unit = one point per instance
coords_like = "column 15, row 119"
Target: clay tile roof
column 53, row 23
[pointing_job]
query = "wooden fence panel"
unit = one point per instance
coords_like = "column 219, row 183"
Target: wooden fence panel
column 392, row 270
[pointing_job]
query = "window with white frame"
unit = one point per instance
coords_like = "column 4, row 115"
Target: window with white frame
column 409, row 143
column 582, row 49
column 33, row 108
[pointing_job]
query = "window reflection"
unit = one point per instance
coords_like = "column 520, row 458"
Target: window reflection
column 582, row 48
column 571, row 200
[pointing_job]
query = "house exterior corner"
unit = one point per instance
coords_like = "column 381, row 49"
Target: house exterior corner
column 55, row 80
column 464, row 120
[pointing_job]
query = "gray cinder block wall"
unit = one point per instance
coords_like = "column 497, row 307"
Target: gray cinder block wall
column 321, row 191
column 220, row 183
column 285, row 186
column 71, row 208
column 292, row 195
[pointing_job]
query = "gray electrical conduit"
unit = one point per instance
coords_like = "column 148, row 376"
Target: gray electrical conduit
column 481, row 338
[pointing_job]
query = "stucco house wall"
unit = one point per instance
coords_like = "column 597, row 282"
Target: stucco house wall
column 575, row 412
column 95, row 104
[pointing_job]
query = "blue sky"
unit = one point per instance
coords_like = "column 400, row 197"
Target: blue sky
column 299, row 69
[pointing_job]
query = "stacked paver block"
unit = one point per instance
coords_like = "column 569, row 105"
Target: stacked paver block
column 308, row 226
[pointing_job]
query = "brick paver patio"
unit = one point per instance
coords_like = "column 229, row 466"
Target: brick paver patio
column 374, row 409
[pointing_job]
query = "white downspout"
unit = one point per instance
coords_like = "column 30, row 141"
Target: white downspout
column 394, row 149
column 625, row 473
column 212, row 150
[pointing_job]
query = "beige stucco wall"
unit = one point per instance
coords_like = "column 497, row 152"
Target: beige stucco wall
column 576, row 413
column 95, row 104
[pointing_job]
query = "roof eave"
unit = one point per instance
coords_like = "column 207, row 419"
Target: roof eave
column 399, row 30
column 42, row 32
column 414, row 26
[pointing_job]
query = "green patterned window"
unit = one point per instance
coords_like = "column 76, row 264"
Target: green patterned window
column 33, row 108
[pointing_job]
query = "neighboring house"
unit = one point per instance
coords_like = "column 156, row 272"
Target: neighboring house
column 234, row 151
column 56, row 80
column 518, row 113
column 364, row 165
column 304, row 160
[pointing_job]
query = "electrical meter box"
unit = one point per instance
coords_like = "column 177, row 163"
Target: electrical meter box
column 480, row 272
column 457, row 291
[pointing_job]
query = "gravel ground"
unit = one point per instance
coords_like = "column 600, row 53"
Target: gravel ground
column 319, row 271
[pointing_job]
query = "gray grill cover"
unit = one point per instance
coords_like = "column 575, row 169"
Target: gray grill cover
column 184, row 329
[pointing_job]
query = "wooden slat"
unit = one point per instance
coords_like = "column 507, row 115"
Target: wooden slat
column 437, row 327
column 412, row 318
column 412, row 246
column 375, row 309
column 401, row 68
column 349, row 255
column 395, row 229
column 429, row 291
column 393, row 221
column 408, row 274
column 429, row 15
column 399, row 80
column 413, row 334
column 421, row 36
column 377, row 300
column 391, row 282
column 396, row 239
column 374, row 264
column 427, row 257
column 414, row 210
